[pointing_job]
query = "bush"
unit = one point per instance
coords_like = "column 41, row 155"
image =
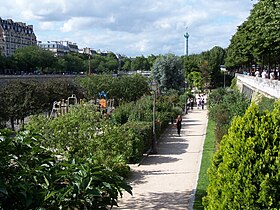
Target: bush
column 141, row 135
column 245, row 173
column 34, row 177
column 122, row 112
column 82, row 133
column 224, row 105
column 266, row 103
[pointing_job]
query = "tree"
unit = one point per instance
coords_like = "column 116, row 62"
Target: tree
column 126, row 64
column 74, row 63
column 167, row 71
column 123, row 88
column 245, row 172
column 257, row 39
column 195, row 80
column 33, row 58
column 22, row 99
column 140, row 63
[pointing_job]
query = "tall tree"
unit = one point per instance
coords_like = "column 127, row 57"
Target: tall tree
column 257, row 40
column 168, row 72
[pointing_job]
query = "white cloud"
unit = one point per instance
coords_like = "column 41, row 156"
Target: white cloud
column 132, row 27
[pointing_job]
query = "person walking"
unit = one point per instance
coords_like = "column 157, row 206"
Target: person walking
column 202, row 104
column 179, row 124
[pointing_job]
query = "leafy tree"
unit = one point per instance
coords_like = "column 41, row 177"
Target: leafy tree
column 195, row 80
column 2, row 63
column 123, row 88
column 129, row 88
column 22, row 99
column 33, row 58
column 257, row 40
column 151, row 59
column 74, row 63
column 224, row 105
column 126, row 64
column 3, row 111
column 58, row 89
column 167, row 71
column 245, row 170
column 190, row 64
column 140, row 63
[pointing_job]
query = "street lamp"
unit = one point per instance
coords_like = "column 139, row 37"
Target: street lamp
column 223, row 69
column 154, row 140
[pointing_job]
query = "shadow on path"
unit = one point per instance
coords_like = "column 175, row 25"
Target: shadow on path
column 161, row 200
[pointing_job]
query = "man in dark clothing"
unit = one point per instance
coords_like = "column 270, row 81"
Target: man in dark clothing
column 179, row 124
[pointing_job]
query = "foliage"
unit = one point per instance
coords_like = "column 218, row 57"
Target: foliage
column 195, row 80
column 142, row 110
column 122, row 89
column 24, row 98
column 104, row 63
column 245, row 170
column 167, row 71
column 34, row 177
column 31, row 58
column 257, row 40
column 266, row 103
column 83, row 133
column 122, row 112
column 140, row 63
column 141, row 133
column 58, row 89
column 223, row 105
column 206, row 67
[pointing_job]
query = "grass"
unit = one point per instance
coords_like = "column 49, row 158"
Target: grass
column 208, row 151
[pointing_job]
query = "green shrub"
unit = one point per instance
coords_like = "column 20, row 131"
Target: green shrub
column 266, row 103
column 245, row 172
column 224, row 105
column 143, row 110
column 141, row 133
column 121, row 113
column 36, row 177
column 82, row 133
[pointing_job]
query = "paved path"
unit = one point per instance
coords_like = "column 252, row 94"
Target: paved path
column 168, row 179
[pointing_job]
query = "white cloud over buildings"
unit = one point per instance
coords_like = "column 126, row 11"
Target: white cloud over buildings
column 132, row 27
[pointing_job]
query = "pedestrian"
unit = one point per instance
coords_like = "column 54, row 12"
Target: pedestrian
column 179, row 124
column 192, row 101
column 202, row 104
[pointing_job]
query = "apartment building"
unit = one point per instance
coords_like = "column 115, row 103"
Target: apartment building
column 59, row 48
column 14, row 35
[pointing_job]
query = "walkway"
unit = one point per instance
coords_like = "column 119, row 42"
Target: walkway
column 168, row 179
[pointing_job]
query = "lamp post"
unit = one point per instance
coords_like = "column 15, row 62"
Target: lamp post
column 89, row 64
column 154, row 140
column 224, row 70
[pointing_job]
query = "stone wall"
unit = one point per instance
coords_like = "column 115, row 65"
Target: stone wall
column 267, row 87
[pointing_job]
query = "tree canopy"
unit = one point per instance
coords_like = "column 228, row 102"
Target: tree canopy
column 257, row 40
column 168, row 72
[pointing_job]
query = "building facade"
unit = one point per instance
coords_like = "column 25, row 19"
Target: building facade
column 14, row 35
column 59, row 48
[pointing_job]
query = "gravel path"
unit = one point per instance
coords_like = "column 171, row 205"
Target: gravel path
column 168, row 180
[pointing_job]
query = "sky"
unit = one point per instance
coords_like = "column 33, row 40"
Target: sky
column 132, row 27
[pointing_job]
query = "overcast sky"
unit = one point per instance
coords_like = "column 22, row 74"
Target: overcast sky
column 132, row 27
